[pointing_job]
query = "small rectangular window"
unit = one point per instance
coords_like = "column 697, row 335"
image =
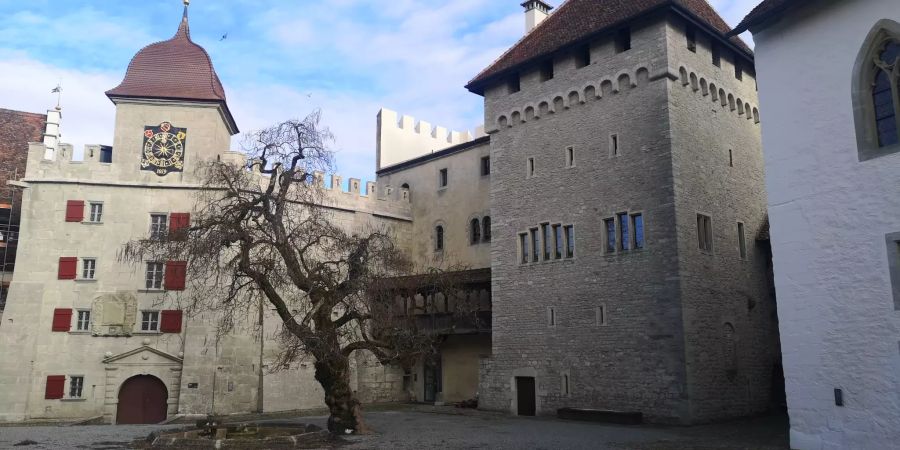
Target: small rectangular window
column 88, row 268
column 106, row 154
column 551, row 316
column 601, row 315
column 614, row 145
column 716, row 55
column 583, row 56
column 610, row 227
column 154, row 275
column 637, row 222
column 704, row 232
column 730, row 158
column 523, row 245
column 559, row 241
column 623, row 40
column 738, row 72
column 443, row 178
column 76, row 386
column 535, row 246
column 96, row 215
column 83, row 320
column 570, row 240
column 742, row 243
column 691, row 36
column 159, row 226
column 565, row 386
column 624, row 238
column 530, row 167
column 547, row 70
column 570, row 156
column 149, row 320
column 485, row 165
column 545, row 233
column 513, row 84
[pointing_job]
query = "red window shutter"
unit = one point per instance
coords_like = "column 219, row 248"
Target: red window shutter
column 56, row 385
column 170, row 321
column 74, row 211
column 175, row 275
column 62, row 319
column 178, row 221
column 68, row 268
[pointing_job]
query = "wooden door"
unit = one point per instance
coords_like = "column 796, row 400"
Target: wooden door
column 525, row 396
column 142, row 400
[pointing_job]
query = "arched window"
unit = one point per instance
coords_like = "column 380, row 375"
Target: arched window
column 474, row 232
column 439, row 238
column 876, row 92
column 486, row 224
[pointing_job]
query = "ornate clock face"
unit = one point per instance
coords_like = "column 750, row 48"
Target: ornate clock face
column 163, row 149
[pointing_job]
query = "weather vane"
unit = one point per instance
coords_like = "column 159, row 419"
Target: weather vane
column 58, row 91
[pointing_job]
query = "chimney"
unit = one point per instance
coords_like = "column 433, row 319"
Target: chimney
column 52, row 134
column 535, row 13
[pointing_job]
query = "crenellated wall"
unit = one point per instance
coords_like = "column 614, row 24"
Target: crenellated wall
column 401, row 138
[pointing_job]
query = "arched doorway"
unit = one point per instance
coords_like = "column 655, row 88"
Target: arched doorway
column 142, row 400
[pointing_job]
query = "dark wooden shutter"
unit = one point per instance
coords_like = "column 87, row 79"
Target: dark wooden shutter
column 68, row 267
column 170, row 321
column 177, row 222
column 74, row 211
column 175, row 275
column 62, row 319
column 56, row 386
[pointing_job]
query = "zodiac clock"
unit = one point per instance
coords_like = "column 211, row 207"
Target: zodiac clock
column 163, row 150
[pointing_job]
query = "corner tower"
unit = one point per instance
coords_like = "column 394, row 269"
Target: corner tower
column 171, row 109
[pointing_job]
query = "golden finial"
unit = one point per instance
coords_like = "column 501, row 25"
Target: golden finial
column 187, row 2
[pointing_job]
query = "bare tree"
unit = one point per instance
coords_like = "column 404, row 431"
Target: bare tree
column 264, row 232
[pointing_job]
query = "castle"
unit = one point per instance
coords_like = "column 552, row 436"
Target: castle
column 612, row 212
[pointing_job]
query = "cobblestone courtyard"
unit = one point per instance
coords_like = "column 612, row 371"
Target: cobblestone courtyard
column 448, row 428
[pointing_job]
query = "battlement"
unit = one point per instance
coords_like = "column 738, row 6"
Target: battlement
column 401, row 138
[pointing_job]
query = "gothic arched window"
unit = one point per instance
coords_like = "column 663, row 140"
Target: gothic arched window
column 438, row 238
column 876, row 92
column 474, row 232
column 486, row 224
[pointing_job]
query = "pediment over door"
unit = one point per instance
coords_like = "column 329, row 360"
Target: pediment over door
column 144, row 355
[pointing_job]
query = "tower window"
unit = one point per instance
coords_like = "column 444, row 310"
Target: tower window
column 547, row 70
column 716, row 55
column 485, row 165
column 738, row 72
column 529, row 167
column 545, row 233
column 583, row 56
column 570, row 156
column 513, row 84
column 614, row 145
column 106, row 154
column 534, row 244
column 704, row 232
column 523, row 246
column 691, row 36
column 474, row 232
column 623, row 40
column 438, row 238
column 570, row 240
column 443, row 178
column 559, row 241
column 486, row 224
column 742, row 241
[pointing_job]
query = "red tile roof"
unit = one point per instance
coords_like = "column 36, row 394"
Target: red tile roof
column 176, row 69
column 763, row 12
column 578, row 20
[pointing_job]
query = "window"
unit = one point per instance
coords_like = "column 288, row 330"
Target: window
column 623, row 40
column 893, row 252
column 583, row 56
column 149, row 320
column 96, row 212
column 106, row 154
column 565, row 382
column 876, row 92
column 485, row 165
column 439, row 238
column 559, row 241
column 534, row 245
column 159, row 226
column 738, row 72
column 570, row 156
column 691, row 36
column 601, row 315
column 610, row 226
column 545, row 233
column 486, row 224
column 442, row 178
column 513, row 84
column 614, row 145
column 730, row 158
column 474, row 232
column 716, row 55
column 704, row 232
column 523, row 245
column 742, row 243
column 76, row 386
column 154, row 279
column 637, row 222
column 529, row 169
column 74, row 210
column 624, row 239
column 88, row 268
column 570, row 240
column 83, row 320
column 547, row 70
column 551, row 316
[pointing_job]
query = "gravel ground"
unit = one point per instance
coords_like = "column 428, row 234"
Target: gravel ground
column 449, row 428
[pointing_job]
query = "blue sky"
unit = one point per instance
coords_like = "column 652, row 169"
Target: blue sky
column 282, row 59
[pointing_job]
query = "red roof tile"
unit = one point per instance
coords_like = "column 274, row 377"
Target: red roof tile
column 577, row 20
column 763, row 12
column 174, row 69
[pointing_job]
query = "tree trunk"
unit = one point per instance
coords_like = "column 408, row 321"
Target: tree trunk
column 346, row 414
